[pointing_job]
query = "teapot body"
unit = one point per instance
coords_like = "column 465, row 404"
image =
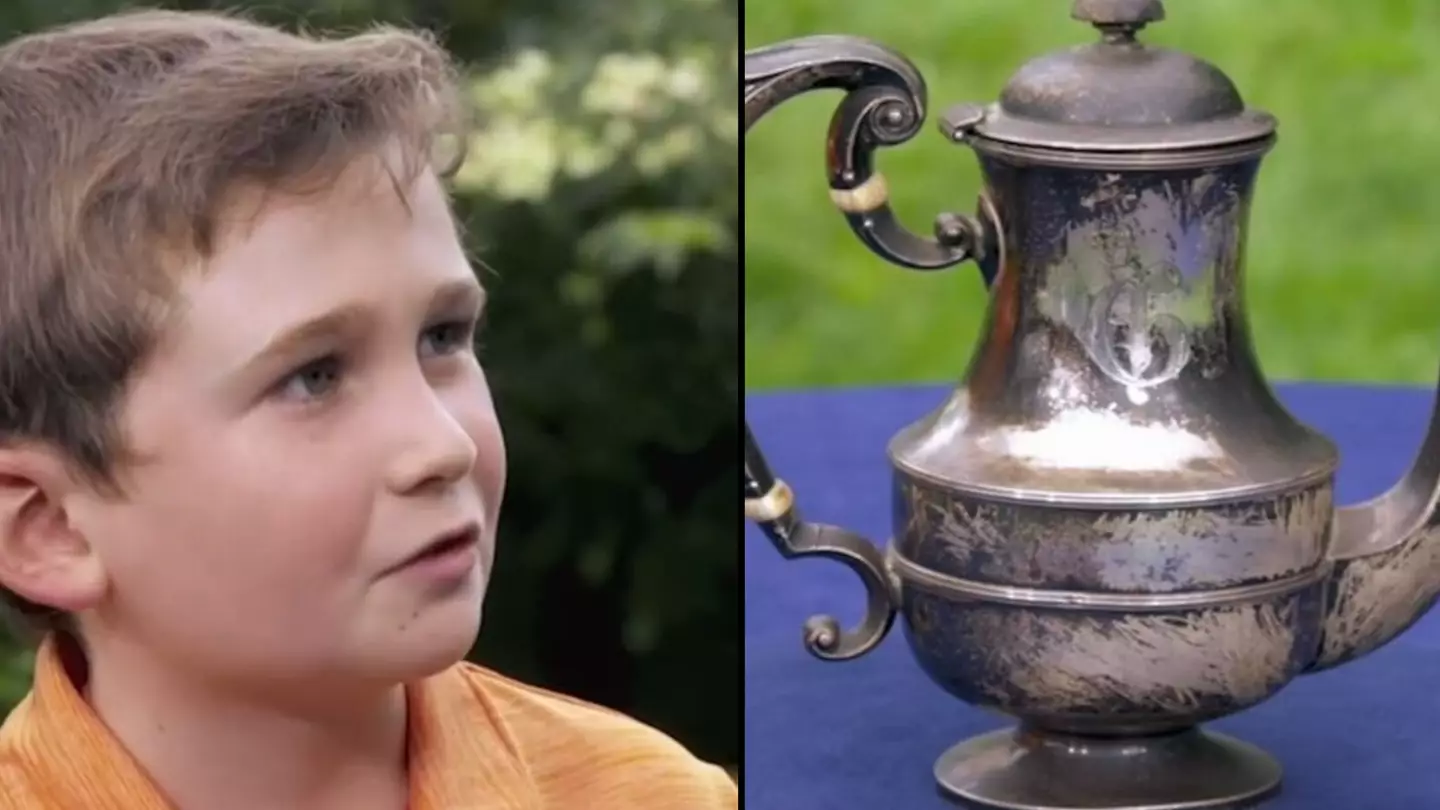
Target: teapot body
column 1111, row 529
column 1095, row 621
column 1112, row 524
column 1115, row 365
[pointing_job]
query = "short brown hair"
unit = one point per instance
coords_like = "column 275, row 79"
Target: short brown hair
column 124, row 137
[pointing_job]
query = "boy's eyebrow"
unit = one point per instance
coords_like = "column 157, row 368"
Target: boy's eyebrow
column 351, row 318
column 345, row 319
column 459, row 293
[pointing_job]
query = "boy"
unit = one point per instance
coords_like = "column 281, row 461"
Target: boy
column 250, row 471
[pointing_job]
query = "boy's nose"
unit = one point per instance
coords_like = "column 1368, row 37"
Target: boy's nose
column 434, row 451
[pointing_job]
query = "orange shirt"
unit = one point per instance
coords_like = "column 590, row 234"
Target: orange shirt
column 478, row 741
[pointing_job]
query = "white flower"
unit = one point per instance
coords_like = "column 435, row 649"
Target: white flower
column 625, row 85
column 688, row 80
column 513, row 158
column 675, row 147
column 583, row 156
column 517, row 87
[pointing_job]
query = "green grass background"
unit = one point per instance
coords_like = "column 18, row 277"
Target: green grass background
column 1343, row 275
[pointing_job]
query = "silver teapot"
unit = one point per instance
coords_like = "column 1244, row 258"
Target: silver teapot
column 1111, row 530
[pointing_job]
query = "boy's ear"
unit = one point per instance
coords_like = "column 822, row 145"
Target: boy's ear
column 42, row 557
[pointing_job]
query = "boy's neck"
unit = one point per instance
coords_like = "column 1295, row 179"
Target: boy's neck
column 209, row 749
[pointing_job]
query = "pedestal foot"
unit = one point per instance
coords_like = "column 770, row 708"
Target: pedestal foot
column 1028, row 769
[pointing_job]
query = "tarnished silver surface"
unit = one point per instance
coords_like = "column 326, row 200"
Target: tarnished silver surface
column 1115, row 366
column 1111, row 530
column 1263, row 538
column 1189, row 770
column 1109, row 672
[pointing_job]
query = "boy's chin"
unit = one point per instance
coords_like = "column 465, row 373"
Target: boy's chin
column 426, row 645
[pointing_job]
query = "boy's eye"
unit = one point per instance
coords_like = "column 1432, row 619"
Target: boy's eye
column 319, row 378
column 447, row 338
column 312, row 381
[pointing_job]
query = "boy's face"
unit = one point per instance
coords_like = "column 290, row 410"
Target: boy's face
column 285, row 474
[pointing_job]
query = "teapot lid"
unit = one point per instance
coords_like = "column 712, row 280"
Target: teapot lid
column 1115, row 95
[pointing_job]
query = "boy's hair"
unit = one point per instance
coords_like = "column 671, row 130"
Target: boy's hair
column 124, row 140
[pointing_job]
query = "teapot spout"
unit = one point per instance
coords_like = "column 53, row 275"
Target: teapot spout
column 1386, row 555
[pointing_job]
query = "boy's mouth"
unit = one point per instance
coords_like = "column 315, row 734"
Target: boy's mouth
column 459, row 539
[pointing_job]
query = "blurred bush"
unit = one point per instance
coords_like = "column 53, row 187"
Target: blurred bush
column 601, row 198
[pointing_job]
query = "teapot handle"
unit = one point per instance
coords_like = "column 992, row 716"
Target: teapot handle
column 884, row 105
column 770, row 503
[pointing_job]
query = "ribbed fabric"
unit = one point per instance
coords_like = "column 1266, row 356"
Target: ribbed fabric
column 478, row 741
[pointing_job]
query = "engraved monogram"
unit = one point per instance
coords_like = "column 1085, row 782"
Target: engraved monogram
column 1131, row 337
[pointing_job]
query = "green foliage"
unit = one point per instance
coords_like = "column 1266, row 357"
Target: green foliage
column 600, row 197
column 622, row 183
column 1343, row 249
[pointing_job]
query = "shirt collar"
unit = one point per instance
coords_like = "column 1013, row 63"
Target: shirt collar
column 460, row 756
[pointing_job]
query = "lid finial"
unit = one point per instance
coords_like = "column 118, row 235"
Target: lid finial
column 1118, row 20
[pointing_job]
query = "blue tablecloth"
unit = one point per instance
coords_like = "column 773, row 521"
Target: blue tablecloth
column 865, row 733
